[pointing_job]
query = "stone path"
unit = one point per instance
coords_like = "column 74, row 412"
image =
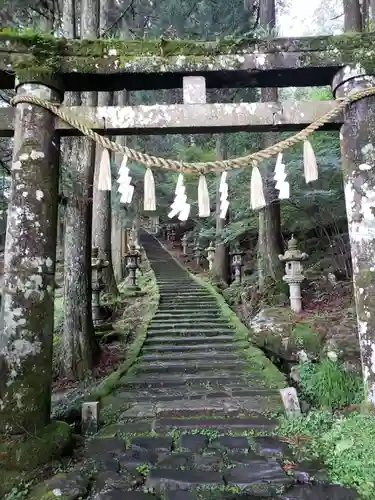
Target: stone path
column 196, row 428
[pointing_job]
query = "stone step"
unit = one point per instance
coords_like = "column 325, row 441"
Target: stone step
column 189, row 340
column 181, row 380
column 160, row 394
column 190, row 366
column 188, row 297
column 186, row 292
column 168, row 330
column 194, row 308
column 259, row 478
column 186, row 323
column 235, row 424
column 203, row 348
column 185, row 479
column 204, row 315
column 189, row 301
column 219, row 406
column 184, row 287
column 193, row 357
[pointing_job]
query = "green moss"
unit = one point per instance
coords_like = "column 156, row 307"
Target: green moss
column 41, row 55
column 257, row 360
column 12, row 482
column 72, row 485
column 36, row 450
column 304, row 336
column 151, row 302
column 344, row 444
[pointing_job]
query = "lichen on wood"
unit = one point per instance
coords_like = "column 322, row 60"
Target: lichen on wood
column 38, row 54
column 358, row 160
column 29, row 265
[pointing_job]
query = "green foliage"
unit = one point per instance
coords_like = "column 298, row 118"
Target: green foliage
column 327, row 384
column 348, row 449
column 304, row 336
column 303, row 432
column 20, row 492
column 345, row 445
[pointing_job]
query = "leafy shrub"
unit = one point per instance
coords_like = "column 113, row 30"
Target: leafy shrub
column 233, row 294
column 326, row 384
column 308, row 426
column 345, row 445
column 348, row 450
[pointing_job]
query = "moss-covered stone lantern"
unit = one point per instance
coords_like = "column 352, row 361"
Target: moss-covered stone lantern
column 97, row 285
column 197, row 252
column 237, row 263
column 210, row 255
column 184, row 242
column 133, row 258
column 293, row 259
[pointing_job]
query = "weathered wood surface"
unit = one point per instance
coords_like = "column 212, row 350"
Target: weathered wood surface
column 191, row 118
column 158, row 64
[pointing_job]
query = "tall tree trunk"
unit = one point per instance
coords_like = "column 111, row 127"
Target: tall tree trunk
column 78, row 340
column 372, row 13
column 102, row 200
column 220, row 266
column 269, row 240
column 352, row 15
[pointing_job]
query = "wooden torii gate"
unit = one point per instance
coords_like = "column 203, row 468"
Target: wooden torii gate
column 45, row 67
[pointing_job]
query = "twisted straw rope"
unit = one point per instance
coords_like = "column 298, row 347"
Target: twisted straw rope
column 210, row 166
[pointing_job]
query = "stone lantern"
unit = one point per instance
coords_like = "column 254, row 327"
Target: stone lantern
column 97, row 285
column 294, row 273
column 134, row 233
column 197, row 252
column 168, row 232
column 132, row 264
column 172, row 236
column 237, row 263
column 210, row 254
column 184, row 242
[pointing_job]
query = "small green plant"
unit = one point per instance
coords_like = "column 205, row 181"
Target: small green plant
column 301, row 432
column 211, row 434
column 348, row 449
column 143, row 469
column 327, row 384
column 344, row 444
column 19, row 493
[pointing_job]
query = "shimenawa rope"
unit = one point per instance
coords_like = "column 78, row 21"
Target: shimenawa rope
column 210, row 166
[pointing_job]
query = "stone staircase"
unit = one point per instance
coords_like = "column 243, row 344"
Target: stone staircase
column 199, row 425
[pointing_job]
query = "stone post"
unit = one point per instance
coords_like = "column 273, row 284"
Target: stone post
column 357, row 137
column 294, row 273
column 97, row 284
column 26, row 335
column 210, row 255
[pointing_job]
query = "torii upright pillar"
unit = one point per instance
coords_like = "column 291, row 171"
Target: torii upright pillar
column 26, row 338
column 357, row 139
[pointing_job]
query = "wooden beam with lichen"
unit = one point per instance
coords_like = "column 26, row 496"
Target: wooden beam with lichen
column 190, row 118
column 157, row 64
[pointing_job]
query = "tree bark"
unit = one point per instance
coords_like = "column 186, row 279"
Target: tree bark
column 357, row 137
column 26, row 335
column 220, row 266
column 79, row 345
column 269, row 240
column 102, row 200
column 352, row 15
